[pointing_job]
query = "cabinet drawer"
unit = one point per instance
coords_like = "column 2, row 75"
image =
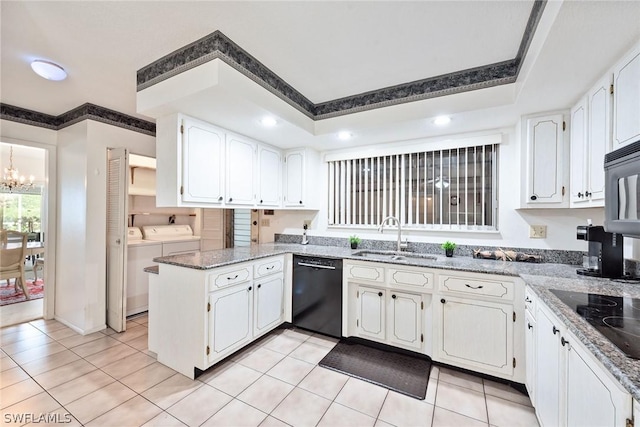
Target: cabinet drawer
column 266, row 267
column 411, row 278
column 473, row 285
column 530, row 302
column 367, row 272
column 229, row 276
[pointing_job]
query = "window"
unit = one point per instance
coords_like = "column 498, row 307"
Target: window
column 21, row 211
column 452, row 189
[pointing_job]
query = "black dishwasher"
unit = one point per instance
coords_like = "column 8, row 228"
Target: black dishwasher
column 317, row 294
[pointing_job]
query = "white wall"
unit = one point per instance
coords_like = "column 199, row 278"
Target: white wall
column 513, row 222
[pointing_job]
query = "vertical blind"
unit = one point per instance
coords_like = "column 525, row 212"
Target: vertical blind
column 444, row 189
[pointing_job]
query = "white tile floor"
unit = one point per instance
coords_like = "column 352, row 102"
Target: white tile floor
column 110, row 379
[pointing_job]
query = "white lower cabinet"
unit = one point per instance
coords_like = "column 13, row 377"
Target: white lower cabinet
column 475, row 334
column 268, row 300
column 371, row 313
column 530, row 354
column 230, row 319
column 573, row 388
column 404, row 319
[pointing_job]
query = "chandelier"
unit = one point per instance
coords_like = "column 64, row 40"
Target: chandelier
column 12, row 180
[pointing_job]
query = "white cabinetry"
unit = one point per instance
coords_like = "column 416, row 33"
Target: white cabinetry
column 240, row 168
column 389, row 304
column 590, row 141
column 546, row 161
column 301, row 179
column 269, row 184
column 530, row 340
column 219, row 310
column 189, row 161
column 478, row 320
column 573, row 388
column 626, row 99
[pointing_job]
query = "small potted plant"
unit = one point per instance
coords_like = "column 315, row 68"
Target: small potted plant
column 354, row 240
column 448, row 247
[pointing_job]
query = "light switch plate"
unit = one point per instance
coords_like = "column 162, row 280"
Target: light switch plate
column 538, row 231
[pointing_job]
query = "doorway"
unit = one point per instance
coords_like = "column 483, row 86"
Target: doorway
column 24, row 208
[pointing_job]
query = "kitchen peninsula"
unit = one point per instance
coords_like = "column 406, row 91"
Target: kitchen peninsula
column 212, row 304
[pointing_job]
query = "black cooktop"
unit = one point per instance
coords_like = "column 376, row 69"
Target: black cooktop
column 617, row 318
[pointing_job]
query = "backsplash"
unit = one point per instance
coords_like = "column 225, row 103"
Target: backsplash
column 549, row 255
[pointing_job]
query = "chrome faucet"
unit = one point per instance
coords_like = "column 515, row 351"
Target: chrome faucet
column 381, row 227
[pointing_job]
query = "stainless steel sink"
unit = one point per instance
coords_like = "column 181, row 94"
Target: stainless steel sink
column 392, row 255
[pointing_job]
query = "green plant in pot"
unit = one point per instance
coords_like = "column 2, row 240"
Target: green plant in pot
column 448, row 247
column 354, row 240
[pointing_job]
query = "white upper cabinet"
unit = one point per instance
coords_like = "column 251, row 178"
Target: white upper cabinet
column 189, row 162
column 302, row 181
column 269, row 184
column 579, row 153
column 241, row 155
column 626, row 99
column 547, row 167
column 202, row 157
column 599, row 138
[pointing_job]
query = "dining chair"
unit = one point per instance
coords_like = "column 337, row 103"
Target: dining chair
column 13, row 251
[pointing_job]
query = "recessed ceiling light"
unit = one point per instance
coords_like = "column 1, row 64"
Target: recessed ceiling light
column 268, row 121
column 48, row 70
column 442, row 120
column 344, row 135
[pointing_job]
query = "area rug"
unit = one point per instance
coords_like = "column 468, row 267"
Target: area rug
column 10, row 295
column 399, row 371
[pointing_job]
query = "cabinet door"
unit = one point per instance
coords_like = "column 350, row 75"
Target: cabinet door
column 371, row 313
column 202, row 163
column 477, row 334
column 530, row 352
column 549, row 368
column 405, row 320
column 294, row 173
column 626, row 99
column 545, row 160
column 592, row 399
column 599, row 139
column 230, row 320
column 268, row 303
column 240, row 171
column 579, row 153
column 269, row 181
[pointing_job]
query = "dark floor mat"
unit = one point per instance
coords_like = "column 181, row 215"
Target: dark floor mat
column 403, row 373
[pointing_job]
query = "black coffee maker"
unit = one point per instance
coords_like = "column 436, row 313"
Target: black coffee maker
column 605, row 249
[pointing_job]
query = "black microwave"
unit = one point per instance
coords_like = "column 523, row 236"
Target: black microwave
column 622, row 191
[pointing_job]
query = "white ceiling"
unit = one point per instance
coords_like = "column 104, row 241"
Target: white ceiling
column 325, row 50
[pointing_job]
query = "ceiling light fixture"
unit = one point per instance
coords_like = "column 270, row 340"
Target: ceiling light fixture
column 344, row 135
column 268, row 121
column 12, row 180
column 442, row 120
column 48, row 70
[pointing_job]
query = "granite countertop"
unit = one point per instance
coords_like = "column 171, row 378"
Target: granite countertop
column 539, row 276
column 154, row 269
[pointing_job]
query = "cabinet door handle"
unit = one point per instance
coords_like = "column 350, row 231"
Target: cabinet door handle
column 259, row 286
column 300, row 201
column 271, row 268
column 563, row 341
column 443, row 300
column 579, row 195
column 473, row 287
column 587, row 194
column 379, row 294
column 555, row 330
column 232, row 278
column 529, row 325
column 534, row 197
column 527, row 299
column 220, row 198
column 261, row 201
column 248, row 290
column 230, row 199
column 393, row 296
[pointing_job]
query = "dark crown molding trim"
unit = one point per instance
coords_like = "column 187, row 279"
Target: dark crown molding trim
column 218, row 46
column 78, row 114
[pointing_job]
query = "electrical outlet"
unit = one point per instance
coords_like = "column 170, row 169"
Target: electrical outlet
column 307, row 222
column 264, row 222
column 538, row 232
